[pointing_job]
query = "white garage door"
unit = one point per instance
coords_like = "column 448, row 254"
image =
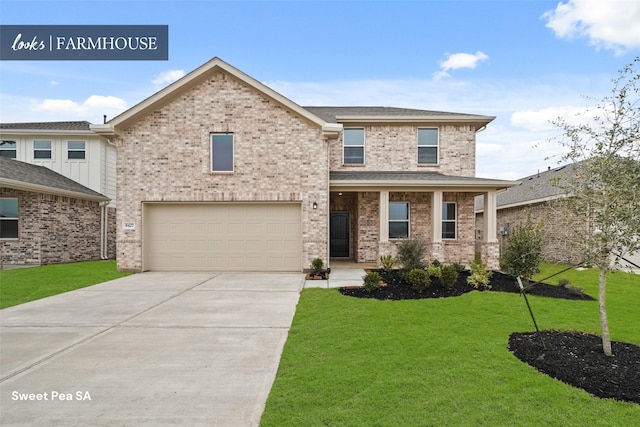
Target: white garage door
column 222, row 237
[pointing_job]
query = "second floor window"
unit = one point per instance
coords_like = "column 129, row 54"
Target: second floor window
column 222, row 152
column 41, row 149
column 353, row 146
column 8, row 149
column 76, row 150
column 428, row 146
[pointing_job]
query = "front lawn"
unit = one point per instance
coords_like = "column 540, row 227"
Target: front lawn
column 354, row 362
column 27, row 284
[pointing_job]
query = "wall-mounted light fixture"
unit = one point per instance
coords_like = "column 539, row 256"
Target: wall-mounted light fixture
column 315, row 205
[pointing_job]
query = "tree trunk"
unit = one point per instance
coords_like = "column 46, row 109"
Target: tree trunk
column 606, row 338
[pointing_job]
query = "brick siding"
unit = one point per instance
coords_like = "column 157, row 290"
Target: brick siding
column 52, row 229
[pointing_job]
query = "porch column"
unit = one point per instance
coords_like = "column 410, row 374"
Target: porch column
column 489, row 217
column 384, row 216
column 436, row 217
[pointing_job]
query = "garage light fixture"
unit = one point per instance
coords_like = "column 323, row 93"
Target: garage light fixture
column 315, row 205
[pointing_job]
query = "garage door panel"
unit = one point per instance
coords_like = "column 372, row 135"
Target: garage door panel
column 223, row 237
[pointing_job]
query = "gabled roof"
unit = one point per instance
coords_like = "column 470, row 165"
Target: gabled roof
column 535, row 188
column 80, row 127
column 345, row 180
column 194, row 78
column 394, row 115
column 25, row 176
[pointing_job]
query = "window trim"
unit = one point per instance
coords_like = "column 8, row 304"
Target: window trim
column 14, row 149
column 448, row 221
column 16, row 219
column 436, row 146
column 233, row 152
column 50, row 149
column 407, row 221
column 77, row 150
column 363, row 146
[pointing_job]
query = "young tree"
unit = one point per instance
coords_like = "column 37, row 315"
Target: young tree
column 605, row 189
column 523, row 253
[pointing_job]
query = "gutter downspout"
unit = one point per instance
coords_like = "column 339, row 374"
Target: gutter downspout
column 103, row 230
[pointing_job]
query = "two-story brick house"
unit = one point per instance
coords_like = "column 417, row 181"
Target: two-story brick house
column 52, row 219
column 219, row 172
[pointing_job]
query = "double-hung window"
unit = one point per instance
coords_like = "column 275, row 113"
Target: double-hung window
column 449, row 220
column 8, row 149
column 222, row 152
column 41, row 149
column 353, row 146
column 76, row 150
column 428, row 146
column 398, row 220
column 8, row 218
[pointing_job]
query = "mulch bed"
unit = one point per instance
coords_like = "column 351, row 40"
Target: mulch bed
column 396, row 288
column 575, row 358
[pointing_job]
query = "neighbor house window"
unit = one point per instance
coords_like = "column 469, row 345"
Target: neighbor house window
column 222, row 152
column 353, row 146
column 428, row 146
column 41, row 149
column 8, row 218
column 449, row 220
column 76, row 150
column 8, row 149
column 398, row 220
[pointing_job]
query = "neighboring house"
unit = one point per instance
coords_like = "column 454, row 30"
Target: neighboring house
column 534, row 199
column 219, row 172
column 71, row 149
column 46, row 218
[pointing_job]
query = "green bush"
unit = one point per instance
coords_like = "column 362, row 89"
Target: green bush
column 436, row 263
column 479, row 277
column 459, row 267
column 418, row 278
column 411, row 254
column 449, row 276
column 434, row 271
column 387, row 261
column 523, row 254
column 316, row 266
column 371, row 281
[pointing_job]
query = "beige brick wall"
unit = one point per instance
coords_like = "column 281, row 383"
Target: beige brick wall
column 278, row 156
column 395, row 148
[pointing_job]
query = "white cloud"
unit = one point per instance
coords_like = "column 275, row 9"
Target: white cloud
column 54, row 83
column 608, row 24
column 459, row 60
column 90, row 109
column 167, row 77
column 541, row 120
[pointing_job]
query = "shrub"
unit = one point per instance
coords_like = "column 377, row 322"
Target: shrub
column 411, row 254
column 479, row 277
column 387, row 261
column 449, row 276
column 523, row 254
column 316, row 266
column 371, row 281
column 434, row 271
column 436, row 263
column 418, row 278
column 459, row 267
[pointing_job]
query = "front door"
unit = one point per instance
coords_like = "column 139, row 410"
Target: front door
column 339, row 231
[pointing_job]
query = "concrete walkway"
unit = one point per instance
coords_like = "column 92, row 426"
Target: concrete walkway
column 338, row 278
column 151, row 349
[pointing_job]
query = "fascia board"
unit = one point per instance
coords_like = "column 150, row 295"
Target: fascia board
column 192, row 79
column 481, row 120
column 8, row 132
column 19, row 185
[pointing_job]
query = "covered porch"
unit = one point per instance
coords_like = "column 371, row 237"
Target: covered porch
column 372, row 212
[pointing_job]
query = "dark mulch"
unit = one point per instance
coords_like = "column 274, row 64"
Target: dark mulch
column 397, row 288
column 577, row 359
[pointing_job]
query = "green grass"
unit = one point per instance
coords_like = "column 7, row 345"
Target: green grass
column 27, row 284
column 441, row 362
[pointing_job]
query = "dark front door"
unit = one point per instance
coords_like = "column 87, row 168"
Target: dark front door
column 339, row 225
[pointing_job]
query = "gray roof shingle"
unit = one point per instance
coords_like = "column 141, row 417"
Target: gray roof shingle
column 75, row 126
column 329, row 114
column 416, row 177
column 15, row 170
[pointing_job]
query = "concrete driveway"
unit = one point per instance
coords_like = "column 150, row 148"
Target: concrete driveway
column 148, row 349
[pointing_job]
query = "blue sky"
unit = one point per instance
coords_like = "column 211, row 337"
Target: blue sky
column 525, row 62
